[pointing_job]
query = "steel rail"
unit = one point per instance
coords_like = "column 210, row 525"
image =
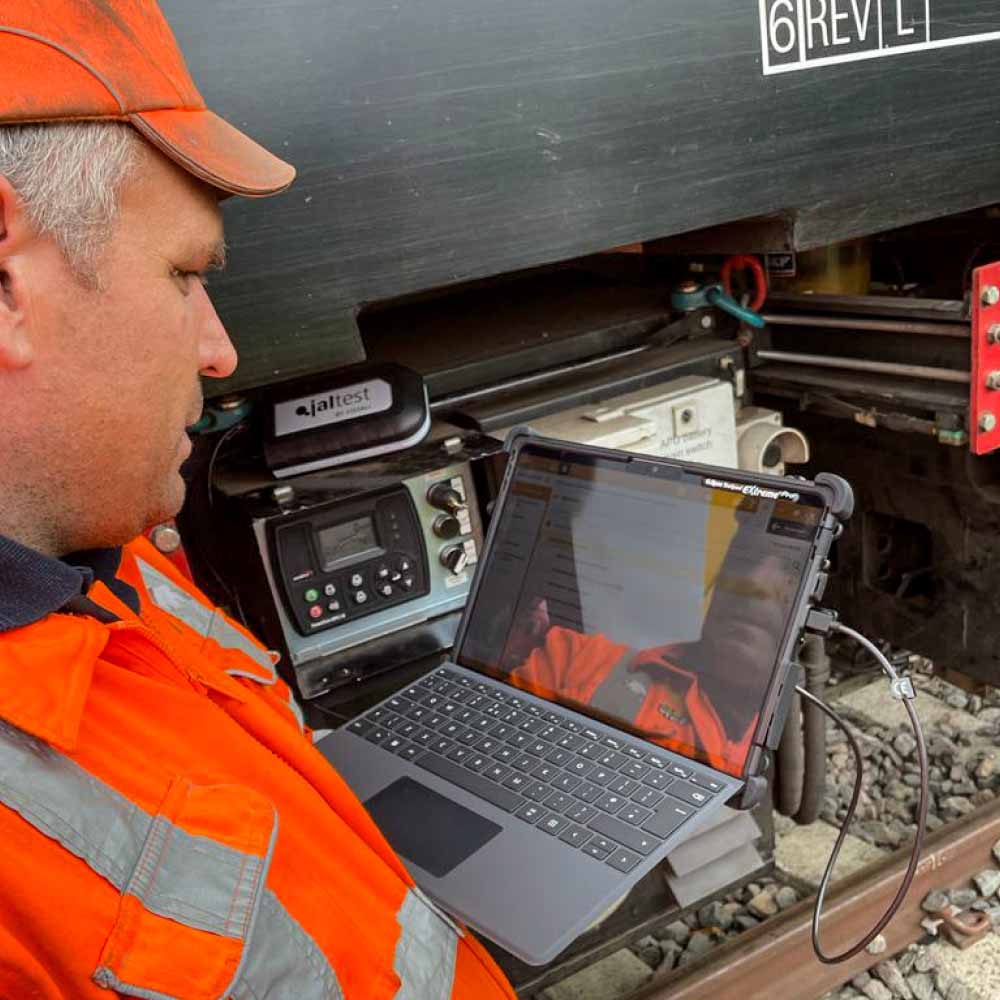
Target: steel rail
column 776, row 960
column 960, row 330
column 860, row 365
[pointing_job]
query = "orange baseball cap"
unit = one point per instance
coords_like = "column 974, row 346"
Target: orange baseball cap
column 78, row 60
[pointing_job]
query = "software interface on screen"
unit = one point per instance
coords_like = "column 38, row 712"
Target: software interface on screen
column 642, row 596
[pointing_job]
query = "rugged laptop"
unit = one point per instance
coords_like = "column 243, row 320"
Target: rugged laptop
column 624, row 664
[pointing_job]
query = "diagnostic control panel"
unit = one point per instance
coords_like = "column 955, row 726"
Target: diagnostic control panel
column 347, row 571
column 351, row 560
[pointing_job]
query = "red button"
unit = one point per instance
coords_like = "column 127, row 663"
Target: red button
column 316, row 611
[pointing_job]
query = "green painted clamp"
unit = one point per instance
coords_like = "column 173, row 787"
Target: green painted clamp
column 688, row 298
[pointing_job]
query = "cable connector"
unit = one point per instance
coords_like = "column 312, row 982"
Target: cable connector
column 902, row 689
column 821, row 621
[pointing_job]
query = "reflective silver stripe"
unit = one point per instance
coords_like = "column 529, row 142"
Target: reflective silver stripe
column 197, row 881
column 284, row 963
column 175, row 600
column 194, row 880
column 425, row 952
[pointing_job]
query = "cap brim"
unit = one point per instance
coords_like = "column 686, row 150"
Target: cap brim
column 212, row 150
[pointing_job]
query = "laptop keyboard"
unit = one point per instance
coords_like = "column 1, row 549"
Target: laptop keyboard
column 604, row 795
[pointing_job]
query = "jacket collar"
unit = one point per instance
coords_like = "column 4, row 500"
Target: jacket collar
column 47, row 656
column 33, row 585
column 45, row 674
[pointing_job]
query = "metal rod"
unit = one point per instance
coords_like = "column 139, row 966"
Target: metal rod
column 524, row 380
column 777, row 960
column 961, row 330
column 859, row 365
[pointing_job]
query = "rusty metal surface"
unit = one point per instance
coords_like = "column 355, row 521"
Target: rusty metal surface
column 777, row 960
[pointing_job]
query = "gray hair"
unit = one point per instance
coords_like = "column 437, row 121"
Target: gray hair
column 69, row 177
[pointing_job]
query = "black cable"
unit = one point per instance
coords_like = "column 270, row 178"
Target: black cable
column 903, row 690
column 209, row 481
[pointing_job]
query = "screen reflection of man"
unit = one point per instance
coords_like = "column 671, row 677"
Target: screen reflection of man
column 699, row 698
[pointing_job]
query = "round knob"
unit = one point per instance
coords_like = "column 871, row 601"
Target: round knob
column 445, row 497
column 455, row 558
column 447, row 526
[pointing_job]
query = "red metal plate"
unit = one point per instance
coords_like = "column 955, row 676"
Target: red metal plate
column 984, row 403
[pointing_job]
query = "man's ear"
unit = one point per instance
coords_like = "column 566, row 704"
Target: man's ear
column 15, row 233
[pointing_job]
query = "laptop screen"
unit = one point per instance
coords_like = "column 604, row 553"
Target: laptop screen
column 653, row 598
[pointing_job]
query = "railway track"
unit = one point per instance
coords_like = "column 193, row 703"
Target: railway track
column 775, row 960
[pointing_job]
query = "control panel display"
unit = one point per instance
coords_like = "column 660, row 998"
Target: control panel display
column 348, row 541
column 345, row 561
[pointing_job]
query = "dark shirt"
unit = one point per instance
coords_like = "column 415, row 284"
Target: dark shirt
column 33, row 585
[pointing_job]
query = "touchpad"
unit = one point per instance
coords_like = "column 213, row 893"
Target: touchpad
column 428, row 829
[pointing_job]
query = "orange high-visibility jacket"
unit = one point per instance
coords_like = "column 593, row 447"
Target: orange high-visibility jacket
column 168, row 830
column 575, row 666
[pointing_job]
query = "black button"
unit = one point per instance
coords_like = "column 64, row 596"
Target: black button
column 553, row 825
column 621, row 832
column 623, row 786
column 623, row 860
column 668, row 816
column 687, row 792
column 576, row 835
column 531, row 813
column 704, row 781
column 581, row 813
column 658, row 780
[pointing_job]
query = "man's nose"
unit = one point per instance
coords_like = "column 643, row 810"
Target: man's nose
column 216, row 353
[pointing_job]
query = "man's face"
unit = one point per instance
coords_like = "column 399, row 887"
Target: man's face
column 112, row 381
column 745, row 622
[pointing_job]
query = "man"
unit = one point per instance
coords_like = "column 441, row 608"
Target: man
column 168, row 829
column 699, row 698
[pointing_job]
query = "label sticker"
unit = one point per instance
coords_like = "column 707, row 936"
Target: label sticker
column 781, row 265
column 750, row 489
column 809, row 34
column 333, row 407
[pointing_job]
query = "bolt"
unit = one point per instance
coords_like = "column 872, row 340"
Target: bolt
column 991, row 295
column 707, row 322
column 231, row 403
column 166, row 538
column 687, row 416
column 987, row 421
column 993, row 380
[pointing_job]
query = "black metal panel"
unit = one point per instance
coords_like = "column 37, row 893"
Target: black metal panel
column 918, row 563
column 444, row 140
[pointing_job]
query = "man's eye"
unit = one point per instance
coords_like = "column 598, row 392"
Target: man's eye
column 187, row 276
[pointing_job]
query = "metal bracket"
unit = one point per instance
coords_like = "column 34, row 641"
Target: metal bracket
column 984, row 393
column 964, row 930
column 902, row 689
